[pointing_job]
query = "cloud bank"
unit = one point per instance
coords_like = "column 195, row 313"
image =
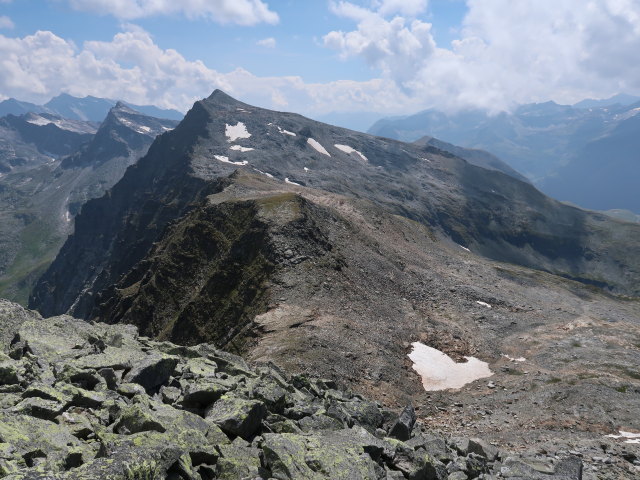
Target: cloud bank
column 241, row 12
column 507, row 53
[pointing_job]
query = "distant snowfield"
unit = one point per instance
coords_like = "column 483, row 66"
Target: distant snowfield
column 234, row 132
column 224, row 159
column 440, row 372
column 316, row 145
column 348, row 149
column 41, row 121
column 286, row 180
column 240, row 148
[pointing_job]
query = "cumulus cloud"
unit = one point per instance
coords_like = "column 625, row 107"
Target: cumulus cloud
column 132, row 67
column 267, row 42
column 508, row 52
column 5, row 22
column 241, row 12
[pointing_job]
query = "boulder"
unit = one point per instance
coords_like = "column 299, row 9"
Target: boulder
column 237, row 416
column 403, row 427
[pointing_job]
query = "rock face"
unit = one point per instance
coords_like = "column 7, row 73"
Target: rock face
column 93, row 401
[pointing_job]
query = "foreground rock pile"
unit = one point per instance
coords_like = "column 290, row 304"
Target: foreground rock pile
column 93, row 401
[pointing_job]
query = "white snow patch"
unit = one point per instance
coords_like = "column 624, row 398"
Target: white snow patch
column 242, row 110
column 145, row 129
column 286, row 180
column 234, row 132
column 440, row 372
column 315, row 144
column 348, row 149
column 224, row 159
column 167, row 129
column 464, row 248
column 240, row 148
column 484, row 304
column 282, row 130
column 519, row 359
column 41, row 121
column 263, row 173
column 306, row 169
column 628, row 436
column 67, row 216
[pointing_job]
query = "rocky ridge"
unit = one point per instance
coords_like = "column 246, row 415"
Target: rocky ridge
column 93, row 401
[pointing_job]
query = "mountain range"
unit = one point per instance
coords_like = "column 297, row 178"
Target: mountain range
column 88, row 109
column 585, row 154
column 316, row 251
column 50, row 166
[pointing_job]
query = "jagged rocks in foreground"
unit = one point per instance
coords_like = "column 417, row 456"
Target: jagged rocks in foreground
column 95, row 401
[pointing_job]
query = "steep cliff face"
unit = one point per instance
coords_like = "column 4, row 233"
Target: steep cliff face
column 114, row 232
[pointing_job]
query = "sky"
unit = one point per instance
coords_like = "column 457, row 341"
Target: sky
column 316, row 57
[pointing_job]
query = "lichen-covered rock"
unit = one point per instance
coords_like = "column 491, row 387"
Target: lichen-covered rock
column 82, row 401
column 237, row 416
column 319, row 456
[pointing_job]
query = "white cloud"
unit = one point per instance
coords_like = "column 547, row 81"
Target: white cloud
column 267, row 42
column 132, row 67
column 508, row 52
column 5, row 22
column 241, row 12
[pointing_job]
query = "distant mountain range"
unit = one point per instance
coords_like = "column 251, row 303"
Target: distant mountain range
column 49, row 167
column 91, row 109
column 585, row 154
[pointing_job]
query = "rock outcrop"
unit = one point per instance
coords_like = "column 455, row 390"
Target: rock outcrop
column 94, row 401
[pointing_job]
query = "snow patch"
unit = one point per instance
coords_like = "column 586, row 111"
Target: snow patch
column 306, row 169
column 224, row 159
column 464, row 248
column 240, row 148
column 40, row 121
column 519, row 359
column 263, row 173
column 234, row 132
column 627, row 436
column 242, row 110
column 350, row 150
column 316, row 145
column 484, row 304
column 440, row 372
column 282, row 130
column 286, row 180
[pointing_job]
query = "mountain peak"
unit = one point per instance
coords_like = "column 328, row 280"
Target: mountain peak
column 220, row 98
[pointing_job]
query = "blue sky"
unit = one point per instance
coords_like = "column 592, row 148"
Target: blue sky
column 319, row 56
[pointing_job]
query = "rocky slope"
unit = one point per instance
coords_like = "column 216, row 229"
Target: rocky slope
column 40, row 197
column 485, row 211
column 584, row 154
column 91, row 401
column 338, row 277
column 476, row 157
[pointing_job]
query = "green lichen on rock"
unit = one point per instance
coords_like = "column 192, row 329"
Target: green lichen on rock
column 83, row 409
